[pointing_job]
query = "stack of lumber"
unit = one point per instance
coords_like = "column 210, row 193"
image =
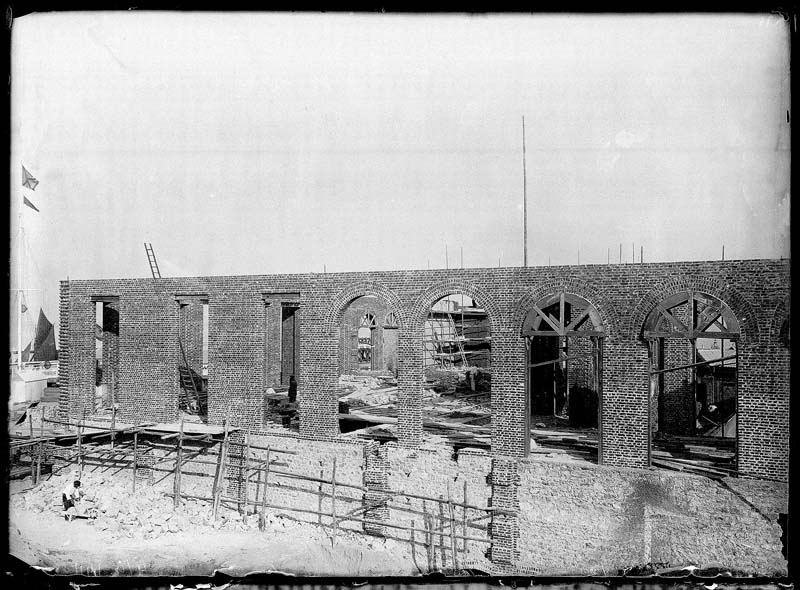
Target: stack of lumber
column 581, row 445
column 708, row 457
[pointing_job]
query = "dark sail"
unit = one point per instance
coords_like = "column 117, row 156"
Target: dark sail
column 44, row 344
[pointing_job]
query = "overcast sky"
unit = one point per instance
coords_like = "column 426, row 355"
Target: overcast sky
column 259, row 143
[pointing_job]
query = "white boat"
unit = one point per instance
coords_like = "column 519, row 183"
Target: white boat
column 34, row 366
column 38, row 366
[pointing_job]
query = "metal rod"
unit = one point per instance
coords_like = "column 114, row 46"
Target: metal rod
column 524, row 200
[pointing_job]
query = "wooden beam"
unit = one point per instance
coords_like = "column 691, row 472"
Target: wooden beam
column 558, row 329
column 692, row 365
column 573, row 334
column 672, row 319
column 568, row 358
column 574, row 324
column 692, row 335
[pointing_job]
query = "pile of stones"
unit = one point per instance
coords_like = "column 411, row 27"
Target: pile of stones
column 148, row 514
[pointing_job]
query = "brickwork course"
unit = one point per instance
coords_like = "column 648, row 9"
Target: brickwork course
column 244, row 349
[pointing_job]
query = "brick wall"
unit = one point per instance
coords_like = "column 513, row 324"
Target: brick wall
column 63, row 351
column 242, row 345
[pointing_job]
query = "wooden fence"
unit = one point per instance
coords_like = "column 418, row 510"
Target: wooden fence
column 444, row 521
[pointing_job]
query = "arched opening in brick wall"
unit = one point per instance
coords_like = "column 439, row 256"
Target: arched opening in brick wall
column 693, row 349
column 564, row 346
column 457, row 387
column 364, row 348
column 366, row 328
column 368, row 390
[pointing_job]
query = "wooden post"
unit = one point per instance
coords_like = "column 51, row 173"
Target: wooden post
column 246, row 477
column 30, row 422
column 319, row 493
column 135, row 458
column 258, row 487
column 178, row 459
column 262, row 517
column 464, row 518
column 452, row 515
column 413, row 543
column 80, row 452
column 427, row 519
column 441, row 532
column 333, row 494
column 220, row 479
column 39, row 462
column 41, row 425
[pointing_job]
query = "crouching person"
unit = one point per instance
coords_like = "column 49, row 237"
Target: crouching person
column 70, row 496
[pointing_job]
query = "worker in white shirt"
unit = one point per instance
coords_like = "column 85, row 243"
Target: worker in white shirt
column 70, row 495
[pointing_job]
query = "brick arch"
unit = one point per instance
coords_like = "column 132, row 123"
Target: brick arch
column 779, row 317
column 596, row 298
column 421, row 306
column 672, row 285
column 347, row 295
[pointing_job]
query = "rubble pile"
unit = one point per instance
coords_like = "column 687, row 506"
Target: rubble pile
column 147, row 514
column 367, row 391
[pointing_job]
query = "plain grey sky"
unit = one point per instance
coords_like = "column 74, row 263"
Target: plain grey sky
column 263, row 143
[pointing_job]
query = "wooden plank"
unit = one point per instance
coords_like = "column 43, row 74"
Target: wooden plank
column 692, row 365
column 571, row 334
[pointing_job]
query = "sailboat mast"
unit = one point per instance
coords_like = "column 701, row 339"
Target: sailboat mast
column 19, row 296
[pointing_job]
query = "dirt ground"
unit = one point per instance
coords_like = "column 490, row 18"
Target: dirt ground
column 39, row 536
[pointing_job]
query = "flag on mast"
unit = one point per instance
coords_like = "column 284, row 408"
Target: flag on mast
column 29, row 204
column 28, row 181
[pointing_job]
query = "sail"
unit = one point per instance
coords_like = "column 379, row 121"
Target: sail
column 26, row 354
column 44, row 343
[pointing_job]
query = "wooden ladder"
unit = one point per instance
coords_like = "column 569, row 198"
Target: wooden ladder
column 151, row 259
column 187, row 381
column 458, row 338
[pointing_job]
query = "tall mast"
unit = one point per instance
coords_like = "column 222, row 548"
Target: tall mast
column 19, row 293
column 524, row 200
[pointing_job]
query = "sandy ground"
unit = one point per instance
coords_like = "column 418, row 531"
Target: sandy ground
column 45, row 539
